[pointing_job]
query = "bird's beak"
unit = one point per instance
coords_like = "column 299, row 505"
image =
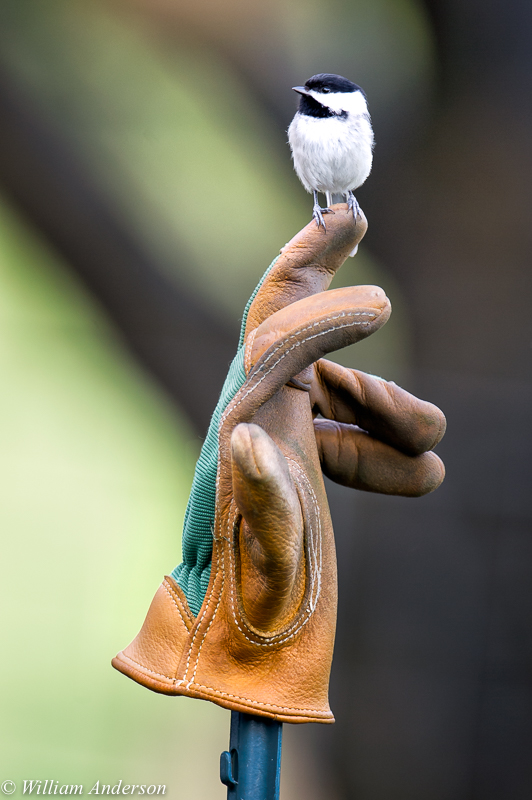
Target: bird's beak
column 300, row 90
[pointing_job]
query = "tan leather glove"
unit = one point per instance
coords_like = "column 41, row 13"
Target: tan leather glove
column 262, row 641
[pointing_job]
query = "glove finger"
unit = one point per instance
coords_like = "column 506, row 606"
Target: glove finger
column 381, row 408
column 307, row 264
column 351, row 457
column 293, row 338
column 271, row 541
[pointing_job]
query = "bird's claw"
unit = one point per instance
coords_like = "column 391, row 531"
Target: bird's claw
column 352, row 205
column 317, row 215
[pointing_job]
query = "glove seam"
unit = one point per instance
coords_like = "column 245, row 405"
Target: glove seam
column 235, row 405
column 221, row 693
column 168, row 590
column 225, row 694
column 147, row 669
column 211, row 594
column 258, row 702
column 214, row 613
column 285, row 635
column 314, row 541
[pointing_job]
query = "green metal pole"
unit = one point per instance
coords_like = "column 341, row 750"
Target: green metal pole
column 251, row 769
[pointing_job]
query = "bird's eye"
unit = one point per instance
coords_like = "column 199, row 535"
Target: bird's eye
column 325, row 90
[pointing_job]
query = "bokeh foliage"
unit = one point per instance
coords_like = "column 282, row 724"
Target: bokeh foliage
column 94, row 469
column 95, row 461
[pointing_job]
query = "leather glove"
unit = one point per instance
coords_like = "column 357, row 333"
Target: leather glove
column 262, row 640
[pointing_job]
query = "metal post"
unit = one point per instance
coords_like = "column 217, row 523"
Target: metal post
column 251, row 769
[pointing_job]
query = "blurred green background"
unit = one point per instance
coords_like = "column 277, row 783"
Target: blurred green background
column 96, row 462
column 145, row 184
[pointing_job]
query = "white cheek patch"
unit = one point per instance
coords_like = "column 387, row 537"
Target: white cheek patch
column 352, row 102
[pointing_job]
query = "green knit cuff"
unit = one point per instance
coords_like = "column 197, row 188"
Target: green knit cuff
column 193, row 573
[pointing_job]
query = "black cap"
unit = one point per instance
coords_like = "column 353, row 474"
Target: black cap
column 332, row 83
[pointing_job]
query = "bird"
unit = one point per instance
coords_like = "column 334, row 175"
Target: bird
column 331, row 140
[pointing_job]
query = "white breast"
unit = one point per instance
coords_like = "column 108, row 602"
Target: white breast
column 331, row 154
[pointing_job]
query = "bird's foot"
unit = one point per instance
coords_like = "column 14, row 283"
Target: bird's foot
column 352, row 205
column 318, row 212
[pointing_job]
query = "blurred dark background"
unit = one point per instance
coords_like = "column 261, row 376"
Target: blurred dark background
column 145, row 184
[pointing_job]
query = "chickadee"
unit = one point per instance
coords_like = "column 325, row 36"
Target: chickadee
column 331, row 139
